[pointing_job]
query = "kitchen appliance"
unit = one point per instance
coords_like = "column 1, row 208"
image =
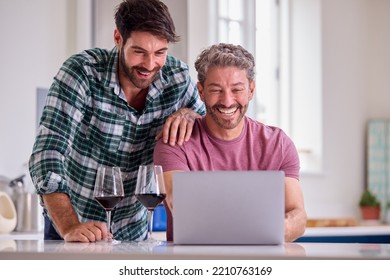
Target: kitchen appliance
column 4, row 185
column 27, row 207
column 8, row 217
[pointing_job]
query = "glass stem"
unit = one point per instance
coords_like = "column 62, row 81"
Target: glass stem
column 108, row 220
column 150, row 216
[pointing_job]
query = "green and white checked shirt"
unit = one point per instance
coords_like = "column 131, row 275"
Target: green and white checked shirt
column 87, row 122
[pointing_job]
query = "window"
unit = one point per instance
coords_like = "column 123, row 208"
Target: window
column 230, row 22
column 288, row 59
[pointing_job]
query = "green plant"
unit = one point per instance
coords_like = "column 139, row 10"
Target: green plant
column 369, row 199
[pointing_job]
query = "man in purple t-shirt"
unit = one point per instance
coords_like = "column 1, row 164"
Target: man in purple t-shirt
column 226, row 139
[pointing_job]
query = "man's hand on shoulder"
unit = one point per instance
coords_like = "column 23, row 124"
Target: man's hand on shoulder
column 178, row 127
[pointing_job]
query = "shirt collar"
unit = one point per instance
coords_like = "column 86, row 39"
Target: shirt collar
column 112, row 79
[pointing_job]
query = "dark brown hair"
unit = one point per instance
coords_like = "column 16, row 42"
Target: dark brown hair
column 145, row 15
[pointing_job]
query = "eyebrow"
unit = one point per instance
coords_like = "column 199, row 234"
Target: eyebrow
column 218, row 85
column 142, row 49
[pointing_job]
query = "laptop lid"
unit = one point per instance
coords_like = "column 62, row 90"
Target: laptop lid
column 228, row 207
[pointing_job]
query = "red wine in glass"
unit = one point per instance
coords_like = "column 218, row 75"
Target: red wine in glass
column 150, row 191
column 109, row 202
column 150, row 200
column 109, row 191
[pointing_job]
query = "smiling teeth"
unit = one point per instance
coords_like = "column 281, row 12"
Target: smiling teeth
column 230, row 111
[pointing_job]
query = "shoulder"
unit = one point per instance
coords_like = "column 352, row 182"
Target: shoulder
column 174, row 62
column 266, row 131
column 165, row 153
column 259, row 126
column 198, row 131
column 178, row 87
column 91, row 57
column 174, row 66
column 92, row 64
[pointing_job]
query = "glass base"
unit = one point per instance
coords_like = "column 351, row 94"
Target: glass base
column 151, row 241
column 148, row 246
column 114, row 241
column 111, row 240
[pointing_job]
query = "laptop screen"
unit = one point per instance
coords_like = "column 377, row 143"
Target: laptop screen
column 228, row 207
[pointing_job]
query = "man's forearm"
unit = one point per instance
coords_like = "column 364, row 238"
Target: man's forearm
column 295, row 224
column 61, row 212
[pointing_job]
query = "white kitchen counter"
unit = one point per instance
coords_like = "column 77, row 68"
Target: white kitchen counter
column 378, row 230
column 49, row 250
column 159, row 235
column 32, row 246
column 22, row 236
column 347, row 231
column 352, row 234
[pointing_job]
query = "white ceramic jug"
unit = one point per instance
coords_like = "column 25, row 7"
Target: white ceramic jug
column 8, row 217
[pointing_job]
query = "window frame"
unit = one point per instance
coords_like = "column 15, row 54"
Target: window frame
column 286, row 96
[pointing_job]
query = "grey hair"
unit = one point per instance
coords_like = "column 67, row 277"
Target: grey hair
column 225, row 55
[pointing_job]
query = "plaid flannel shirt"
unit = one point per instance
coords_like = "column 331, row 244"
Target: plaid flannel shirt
column 87, row 122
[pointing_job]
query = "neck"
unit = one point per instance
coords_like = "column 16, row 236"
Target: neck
column 135, row 97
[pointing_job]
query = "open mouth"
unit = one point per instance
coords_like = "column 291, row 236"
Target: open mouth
column 227, row 111
column 143, row 74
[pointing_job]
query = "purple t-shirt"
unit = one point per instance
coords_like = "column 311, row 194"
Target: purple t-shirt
column 259, row 147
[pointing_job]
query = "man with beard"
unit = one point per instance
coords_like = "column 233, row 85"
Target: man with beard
column 226, row 139
column 108, row 108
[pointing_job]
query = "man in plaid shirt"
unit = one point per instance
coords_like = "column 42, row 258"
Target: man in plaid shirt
column 107, row 108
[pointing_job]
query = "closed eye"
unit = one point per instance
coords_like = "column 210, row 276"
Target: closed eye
column 215, row 90
column 238, row 90
column 161, row 53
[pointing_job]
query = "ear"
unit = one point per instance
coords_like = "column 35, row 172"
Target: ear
column 252, row 86
column 200, row 90
column 117, row 38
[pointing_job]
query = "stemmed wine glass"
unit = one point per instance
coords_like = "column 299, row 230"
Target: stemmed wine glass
column 150, row 191
column 109, row 191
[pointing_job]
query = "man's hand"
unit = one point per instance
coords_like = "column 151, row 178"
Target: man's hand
column 67, row 223
column 178, row 127
column 87, row 232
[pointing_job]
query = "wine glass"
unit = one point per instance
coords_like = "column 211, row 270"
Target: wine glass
column 109, row 191
column 150, row 191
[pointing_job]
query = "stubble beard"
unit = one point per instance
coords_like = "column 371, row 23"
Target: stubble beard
column 131, row 75
column 223, row 123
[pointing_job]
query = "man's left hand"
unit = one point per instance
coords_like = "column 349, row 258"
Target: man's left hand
column 178, row 127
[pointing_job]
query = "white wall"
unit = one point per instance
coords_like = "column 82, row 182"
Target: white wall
column 301, row 81
column 355, row 83
column 35, row 41
column 378, row 59
column 33, row 46
column 199, row 30
column 105, row 24
column 355, row 86
column 335, row 192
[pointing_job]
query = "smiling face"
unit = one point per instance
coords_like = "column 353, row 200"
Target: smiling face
column 226, row 93
column 140, row 58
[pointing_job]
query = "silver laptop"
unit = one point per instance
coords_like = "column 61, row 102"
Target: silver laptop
column 228, row 207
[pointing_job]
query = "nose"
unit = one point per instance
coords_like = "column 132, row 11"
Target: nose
column 149, row 61
column 227, row 98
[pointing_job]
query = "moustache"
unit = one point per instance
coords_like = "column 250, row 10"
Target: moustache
column 219, row 106
column 143, row 69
